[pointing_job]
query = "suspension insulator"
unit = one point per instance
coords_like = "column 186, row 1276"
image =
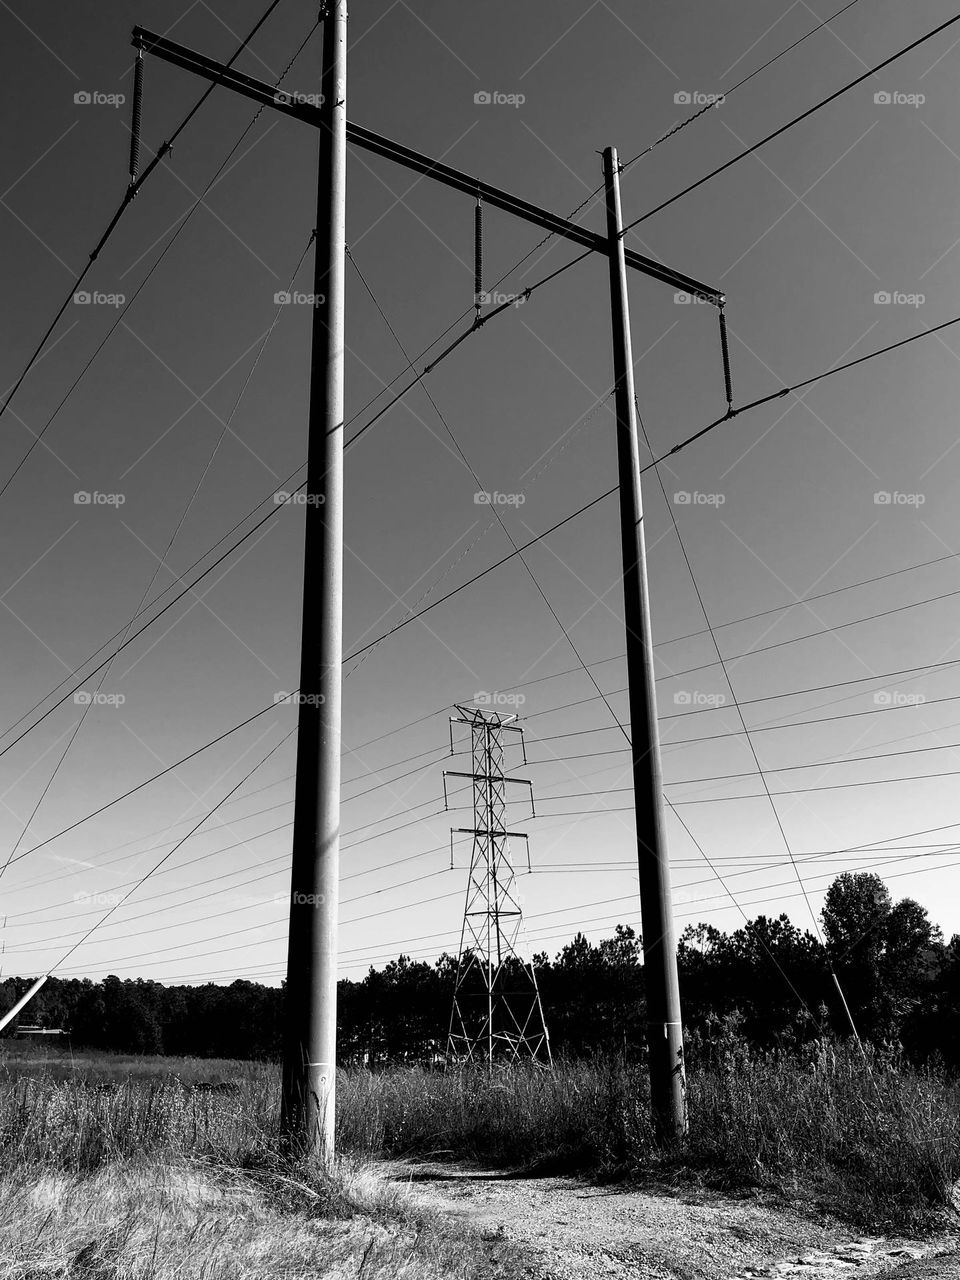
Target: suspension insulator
column 725, row 349
column 478, row 256
column 135, row 121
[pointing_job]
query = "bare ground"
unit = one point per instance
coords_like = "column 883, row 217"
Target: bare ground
column 572, row 1230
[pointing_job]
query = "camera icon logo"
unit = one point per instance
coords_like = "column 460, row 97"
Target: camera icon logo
column 682, row 98
column 882, row 99
column 282, row 98
column 82, row 298
column 282, row 298
column 82, row 698
column 682, row 498
column 82, row 498
column 82, row 98
column 882, row 299
column 482, row 98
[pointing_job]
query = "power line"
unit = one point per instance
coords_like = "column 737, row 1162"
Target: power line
column 140, row 785
column 470, row 582
column 67, row 954
column 132, row 190
column 813, row 635
column 743, row 723
column 166, row 249
column 613, row 489
column 214, row 565
column 367, row 956
column 565, row 796
column 499, row 518
column 792, row 123
column 819, row 595
column 386, row 782
column 40, row 944
column 676, row 128
column 160, row 563
column 554, row 759
column 797, row 386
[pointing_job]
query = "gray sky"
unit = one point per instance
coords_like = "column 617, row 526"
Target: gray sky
column 858, row 201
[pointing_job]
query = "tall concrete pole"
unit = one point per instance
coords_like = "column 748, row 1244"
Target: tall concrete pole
column 310, row 1017
column 664, row 1029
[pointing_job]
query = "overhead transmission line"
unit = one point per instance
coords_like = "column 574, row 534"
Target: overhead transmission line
column 472, row 471
column 797, row 386
column 587, row 506
column 758, row 769
column 518, row 551
column 679, row 742
column 134, row 188
column 67, row 954
column 819, row 595
column 386, row 782
column 403, row 622
column 140, row 785
column 674, row 129
column 386, row 949
column 824, row 631
column 733, row 412
column 927, row 668
column 591, row 196
column 160, row 564
column 749, row 151
column 249, row 533
column 682, row 124
column 352, row 958
column 121, row 315
column 785, row 391
column 192, row 755
column 566, row 796
column 40, row 944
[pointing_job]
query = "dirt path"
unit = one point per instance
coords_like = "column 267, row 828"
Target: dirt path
column 574, row 1231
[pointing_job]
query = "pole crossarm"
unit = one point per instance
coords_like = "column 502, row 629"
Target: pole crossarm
column 304, row 109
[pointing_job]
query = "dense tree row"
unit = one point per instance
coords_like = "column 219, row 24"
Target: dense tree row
column 901, row 982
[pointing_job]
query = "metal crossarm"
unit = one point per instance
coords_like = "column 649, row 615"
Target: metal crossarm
column 309, row 113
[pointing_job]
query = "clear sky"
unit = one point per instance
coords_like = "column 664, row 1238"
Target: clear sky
column 856, row 202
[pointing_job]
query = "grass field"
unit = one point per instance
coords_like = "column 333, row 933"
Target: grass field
column 173, row 1146
column 160, row 1168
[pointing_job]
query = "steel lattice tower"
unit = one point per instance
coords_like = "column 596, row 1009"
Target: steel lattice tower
column 496, row 1013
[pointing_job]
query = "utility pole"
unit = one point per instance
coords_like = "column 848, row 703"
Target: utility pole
column 310, row 1011
column 307, row 1116
column 664, row 1028
column 496, row 1014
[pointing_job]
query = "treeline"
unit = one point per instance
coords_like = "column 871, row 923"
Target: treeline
column 770, row 980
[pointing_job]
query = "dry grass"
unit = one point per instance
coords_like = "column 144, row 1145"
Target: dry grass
column 139, row 1221
column 876, row 1142
column 170, row 1170
column 872, row 1141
